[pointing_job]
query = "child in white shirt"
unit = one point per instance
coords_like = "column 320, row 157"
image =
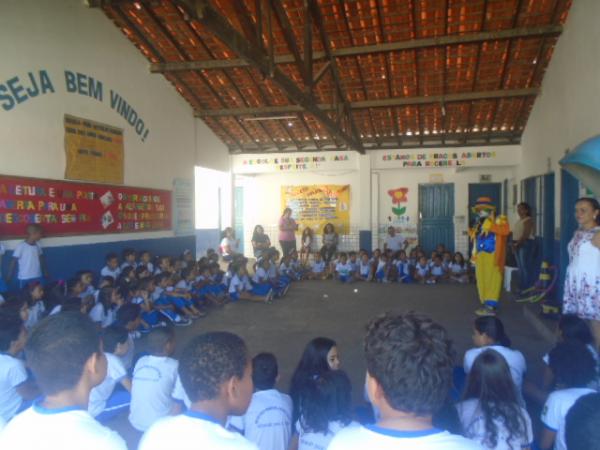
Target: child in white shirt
column 129, row 259
column 458, row 269
column 343, row 269
column 65, row 356
column 268, row 420
column 437, row 271
column 216, row 374
column 240, row 287
column 34, row 294
column 317, row 268
column 421, row 273
column 365, row 267
column 153, row 381
column 28, row 255
column 106, row 403
column 111, row 269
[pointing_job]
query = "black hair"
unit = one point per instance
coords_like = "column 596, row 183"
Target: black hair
column 128, row 252
column 572, row 364
column 126, row 271
column 110, row 256
column 264, row 371
column 208, row 361
column 33, row 227
column 10, row 329
column 112, row 336
column 71, row 304
column 491, row 383
column 572, row 327
column 140, row 270
column 593, row 203
column 527, row 207
column 158, row 278
column 81, row 273
column 71, row 283
column 581, row 426
column 186, row 272
column 128, row 313
column 105, row 297
column 158, row 339
column 109, row 279
column 493, row 328
column 58, row 348
column 255, row 232
column 411, row 358
column 14, row 304
column 326, row 398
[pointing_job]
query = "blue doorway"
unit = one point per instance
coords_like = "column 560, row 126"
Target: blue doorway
column 436, row 216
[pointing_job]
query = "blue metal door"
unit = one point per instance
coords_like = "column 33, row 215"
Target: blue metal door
column 436, row 216
column 238, row 219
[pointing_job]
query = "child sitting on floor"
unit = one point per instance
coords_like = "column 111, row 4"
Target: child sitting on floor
column 240, row 287
column 343, row 269
column 111, row 269
column 317, row 268
column 421, row 272
column 437, row 272
column 364, row 268
column 459, row 269
column 129, row 259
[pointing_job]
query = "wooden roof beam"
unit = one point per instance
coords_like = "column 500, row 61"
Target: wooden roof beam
column 219, row 26
column 512, row 33
column 384, row 103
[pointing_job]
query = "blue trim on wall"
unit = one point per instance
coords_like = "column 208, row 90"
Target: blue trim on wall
column 365, row 240
column 64, row 261
column 206, row 239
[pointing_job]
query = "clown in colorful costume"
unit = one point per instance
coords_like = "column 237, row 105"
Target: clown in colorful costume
column 489, row 253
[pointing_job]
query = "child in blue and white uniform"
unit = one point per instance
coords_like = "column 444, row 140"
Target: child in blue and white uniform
column 458, row 269
column 260, row 278
column 111, row 269
column 240, row 287
column 129, row 259
column 421, row 273
column 28, row 255
column 279, row 281
column 382, row 269
column 365, row 267
column 437, row 271
column 343, row 269
column 403, row 268
column 317, row 268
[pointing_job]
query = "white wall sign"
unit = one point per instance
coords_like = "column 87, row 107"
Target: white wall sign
column 296, row 162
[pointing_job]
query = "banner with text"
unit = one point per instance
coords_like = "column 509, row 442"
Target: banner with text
column 94, row 151
column 315, row 206
column 67, row 208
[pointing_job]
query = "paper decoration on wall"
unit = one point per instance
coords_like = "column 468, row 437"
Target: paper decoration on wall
column 67, row 208
column 399, row 195
column 316, row 205
column 94, row 151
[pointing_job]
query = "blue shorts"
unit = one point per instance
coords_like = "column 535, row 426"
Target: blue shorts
column 234, row 296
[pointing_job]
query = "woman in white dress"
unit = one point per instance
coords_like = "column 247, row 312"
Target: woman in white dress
column 582, row 283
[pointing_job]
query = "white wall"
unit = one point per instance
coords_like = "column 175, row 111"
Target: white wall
column 568, row 110
column 66, row 35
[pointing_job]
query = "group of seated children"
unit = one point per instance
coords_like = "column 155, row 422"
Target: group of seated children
column 387, row 267
column 216, row 396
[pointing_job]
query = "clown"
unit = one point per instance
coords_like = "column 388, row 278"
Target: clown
column 489, row 253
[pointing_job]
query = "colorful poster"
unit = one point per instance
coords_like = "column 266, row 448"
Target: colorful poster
column 94, row 151
column 68, row 208
column 183, row 206
column 316, row 205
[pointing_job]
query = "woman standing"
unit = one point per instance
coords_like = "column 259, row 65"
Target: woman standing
column 330, row 243
column 260, row 241
column 522, row 244
column 287, row 232
column 582, row 284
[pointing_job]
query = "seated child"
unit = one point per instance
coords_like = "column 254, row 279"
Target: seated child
column 459, row 269
column 437, row 271
column 104, row 312
column 240, row 287
column 153, row 381
column 573, row 367
column 106, row 403
column 146, row 261
column 129, row 259
column 129, row 317
column 365, row 267
column 267, row 421
column 86, row 277
column 382, row 269
column 216, row 375
column 317, row 268
column 409, row 372
column 326, row 409
column 33, row 294
column 421, row 273
column 279, row 281
column 353, row 261
column 111, row 269
column 213, row 293
column 65, row 355
column 343, row 269
column 403, row 268
column 15, row 389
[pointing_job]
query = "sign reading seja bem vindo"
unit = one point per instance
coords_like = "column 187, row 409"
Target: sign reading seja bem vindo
column 19, row 89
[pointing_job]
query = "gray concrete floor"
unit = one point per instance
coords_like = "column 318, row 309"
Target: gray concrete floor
column 334, row 310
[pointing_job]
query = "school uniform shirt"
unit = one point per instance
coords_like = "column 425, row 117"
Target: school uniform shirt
column 182, row 284
column 127, row 358
column 364, row 269
column 28, row 256
column 101, row 315
column 149, row 267
column 128, row 264
column 12, row 374
column 179, row 393
column 309, row 440
column 62, row 429
column 260, row 276
column 514, row 359
column 318, row 267
column 437, row 271
column 108, row 272
column 373, row 437
column 191, row 431
column 115, row 372
column 343, row 269
column 151, row 390
column 381, row 265
column 36, row 312
column 272, row 272
column 555, row 412
column 236, row 285
column 268, row 420
column 457, row 269
column 156, row 294
column 472, row 420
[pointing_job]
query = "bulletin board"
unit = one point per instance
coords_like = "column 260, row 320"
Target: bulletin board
column 94, row 151
column 66, row 208
column 316, row 205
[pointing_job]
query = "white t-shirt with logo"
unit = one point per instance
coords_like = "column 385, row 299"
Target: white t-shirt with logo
column 395, row 243
column 28, row 256
column 472, row 420
column 555, row 412
column 514, row 359
column 309, row 440
column 64, row 429
column 151, row 390
column 115, row 372
column 192, row 431
column 12, row 374
column 373, row 437
column 268, row 420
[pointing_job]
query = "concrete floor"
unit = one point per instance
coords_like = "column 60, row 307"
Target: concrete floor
column 334, row 310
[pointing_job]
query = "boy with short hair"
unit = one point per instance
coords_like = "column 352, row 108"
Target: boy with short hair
column 106, row 403
column 215, row 372
column 409, row 374
column 153, row 382
column 582, row 430
column 65, row 356
column 268, row 420
column 29, row 256
column 111, row 269
column 129, row 259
